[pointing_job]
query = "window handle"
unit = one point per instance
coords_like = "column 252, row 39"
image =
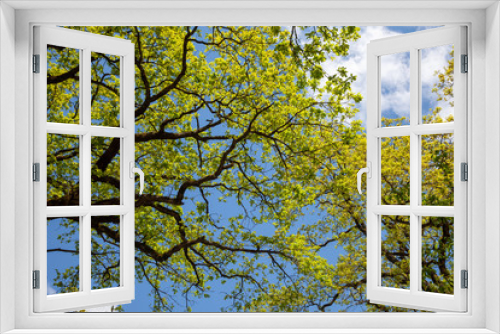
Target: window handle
column 368, row 171
column 134, row 170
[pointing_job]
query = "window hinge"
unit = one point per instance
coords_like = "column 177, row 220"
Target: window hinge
column 36, row 63
column 465, row 64
column 36, row 172
column 464, row 171
column 36, row 279
column 464, row 279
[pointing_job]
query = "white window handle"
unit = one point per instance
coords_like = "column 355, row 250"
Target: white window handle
column 134, row 170
column 368, row 171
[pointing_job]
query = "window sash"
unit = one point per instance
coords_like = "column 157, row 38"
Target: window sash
column 86, row 43
column 414, row 298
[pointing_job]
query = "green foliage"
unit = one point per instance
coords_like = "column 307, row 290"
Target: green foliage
column 250, row 152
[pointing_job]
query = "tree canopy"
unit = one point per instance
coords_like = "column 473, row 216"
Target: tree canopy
column 250, row 150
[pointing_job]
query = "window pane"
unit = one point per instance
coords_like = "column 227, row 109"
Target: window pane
column 395, row 233
column 437, row 170
column 437, row 69
column 105, row 251
column 437, row 254
column 63, row 170
column 105, row 171
column 395, row 170
column 395, row 89
column 63, row 85
column 105, row 89
column 63, row 255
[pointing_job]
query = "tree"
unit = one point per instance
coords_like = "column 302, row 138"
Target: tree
column 250, row 152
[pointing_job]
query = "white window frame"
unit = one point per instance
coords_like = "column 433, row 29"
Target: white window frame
column 86, row 43
column 483, row 20
column 414, row 297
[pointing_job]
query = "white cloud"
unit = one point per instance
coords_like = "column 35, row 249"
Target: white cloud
column 395, row 84
column 356, row 61
column 433, row 59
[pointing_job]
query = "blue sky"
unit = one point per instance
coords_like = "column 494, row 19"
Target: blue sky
column 395, row 98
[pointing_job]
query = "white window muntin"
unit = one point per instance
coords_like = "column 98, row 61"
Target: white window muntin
column 414, row 297
column 86, row 43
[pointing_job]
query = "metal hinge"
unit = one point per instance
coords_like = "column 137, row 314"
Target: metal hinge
column 465, row 279
column 464, row 174
column 36, row 172
column 465, row 64
column 36, row 279
column 36, row 63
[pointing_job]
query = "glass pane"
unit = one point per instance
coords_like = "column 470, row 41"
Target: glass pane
column 63, row 170
column 437, row 170
column 395, row 89
column 63, row 85
column 105, row 171
column 437, row 254
column 105, row 89
column 105, row 252
column 395, row 233
column 437, row 68
column 63, row 255
column 395, row 170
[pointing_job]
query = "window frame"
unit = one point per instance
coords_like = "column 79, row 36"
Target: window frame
column 414, row 44
column 482, row 50
column 86, row 44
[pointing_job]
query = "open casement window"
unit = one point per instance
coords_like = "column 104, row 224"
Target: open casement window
column 416, row 198
column 84, row 164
